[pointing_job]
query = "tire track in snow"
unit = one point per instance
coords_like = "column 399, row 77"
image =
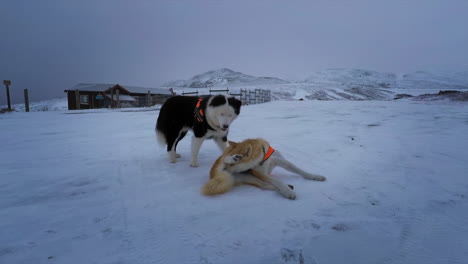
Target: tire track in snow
column 131, row 254
column 154, row 234
column 145, row 244
column 142, row 233
column 408, row 220
column 406, row 240
column 418, row 229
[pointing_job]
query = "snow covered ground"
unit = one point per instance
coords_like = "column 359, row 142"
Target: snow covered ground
column 56, row 104
column 94, row 187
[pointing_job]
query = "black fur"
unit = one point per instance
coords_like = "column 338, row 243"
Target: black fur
column 179, row 111
column 236, row 104
column 218, row 100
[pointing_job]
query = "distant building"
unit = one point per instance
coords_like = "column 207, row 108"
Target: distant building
column 90, row 96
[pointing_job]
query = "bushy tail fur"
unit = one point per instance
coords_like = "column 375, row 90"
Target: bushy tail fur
column 160, row 137
column 221, row 183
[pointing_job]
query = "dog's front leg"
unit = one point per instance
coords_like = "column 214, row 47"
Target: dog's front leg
column 196, row 145
column 221, row 142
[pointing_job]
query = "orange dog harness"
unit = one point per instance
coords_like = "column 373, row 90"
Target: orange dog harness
column 268, row 154
column 199, row 112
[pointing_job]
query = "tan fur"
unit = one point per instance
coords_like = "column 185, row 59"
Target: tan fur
column 223, row 182
column 241, row 163
column 221, row 178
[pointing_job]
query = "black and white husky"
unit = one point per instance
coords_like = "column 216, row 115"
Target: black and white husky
column 208, row 117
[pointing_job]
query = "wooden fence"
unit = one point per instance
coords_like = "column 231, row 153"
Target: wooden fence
column 246, row 96
column 256, row 96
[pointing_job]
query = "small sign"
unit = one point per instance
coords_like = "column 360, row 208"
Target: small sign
column 99, row 97
column 6, row 82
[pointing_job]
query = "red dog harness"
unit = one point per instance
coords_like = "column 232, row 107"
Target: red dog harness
column 267, row 154
column 199, row 115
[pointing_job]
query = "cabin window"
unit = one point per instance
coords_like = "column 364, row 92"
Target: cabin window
column 84, row 99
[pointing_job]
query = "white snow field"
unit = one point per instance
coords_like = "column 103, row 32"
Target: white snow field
column 94, row 187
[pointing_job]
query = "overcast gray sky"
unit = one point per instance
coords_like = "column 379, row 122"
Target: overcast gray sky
column 51, row 45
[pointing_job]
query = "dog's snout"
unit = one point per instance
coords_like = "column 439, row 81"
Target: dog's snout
column 225, row 126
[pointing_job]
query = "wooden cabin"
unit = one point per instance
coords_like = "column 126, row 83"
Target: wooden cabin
column 92, row 96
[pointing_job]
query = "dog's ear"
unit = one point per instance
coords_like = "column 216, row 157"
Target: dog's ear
column 232, row 143
column 235, row 103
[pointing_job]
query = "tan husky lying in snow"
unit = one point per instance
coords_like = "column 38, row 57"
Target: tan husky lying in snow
column 251, row 162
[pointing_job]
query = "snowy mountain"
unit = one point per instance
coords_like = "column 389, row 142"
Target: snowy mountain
column 333, row 84
column 442, row 80
column 222, row 77
column 352, row 78
column 330, row 84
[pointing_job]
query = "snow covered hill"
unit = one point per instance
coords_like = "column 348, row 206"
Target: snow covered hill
column 222, row 77
column 352, row 78
column 442, row 80
column 331, row 84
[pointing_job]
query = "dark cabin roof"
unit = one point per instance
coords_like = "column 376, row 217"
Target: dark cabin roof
column 101, row 87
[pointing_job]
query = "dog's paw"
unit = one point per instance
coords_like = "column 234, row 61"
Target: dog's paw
column 319, row 178
column 288, row 192
column 237, row 157
column 194, row 164
column 233, row 159
column 172, row 157
column 291, row 195
column 315, row 177
column 177, row 155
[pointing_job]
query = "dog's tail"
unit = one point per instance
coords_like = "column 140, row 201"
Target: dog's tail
column 160, row 137
column 221, row 183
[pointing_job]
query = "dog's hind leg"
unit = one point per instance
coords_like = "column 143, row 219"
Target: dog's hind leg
column 284, row 189
column 287, row 165
column 171, row 143
column 245, row 178
column 182, row 134
column 172, row 139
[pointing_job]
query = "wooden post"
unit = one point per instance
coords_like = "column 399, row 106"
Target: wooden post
column 26, row 100
column 8, row 97
column 7, row 84
column 77, row 99
column 117, row 93
column 112, row 98
column 148, row 99
column 244, row 92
